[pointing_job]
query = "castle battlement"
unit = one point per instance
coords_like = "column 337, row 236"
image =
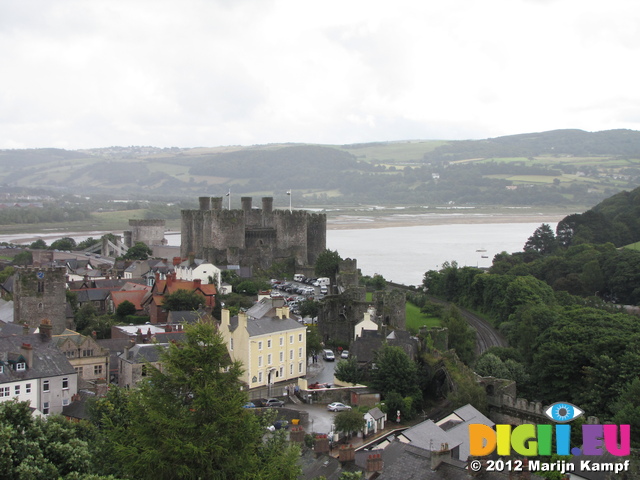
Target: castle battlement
column 252, row 236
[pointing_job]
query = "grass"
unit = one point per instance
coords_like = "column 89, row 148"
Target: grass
column 416, row 319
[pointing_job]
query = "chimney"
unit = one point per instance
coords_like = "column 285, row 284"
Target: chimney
column 224, row 317
column 46, row 329
column 322, row 443
column 374, row 463
column 197, row 282
column 157, row 277
column 242, row 320
column 438, row 456
column 169, row 280
column 25, row 329
column 279, row 312
column 191, row 258
column 177, row 261
column 346, row 453
column 27, row 352
column 285, row 312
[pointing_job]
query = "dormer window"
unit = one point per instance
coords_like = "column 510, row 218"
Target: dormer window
column 20, row 366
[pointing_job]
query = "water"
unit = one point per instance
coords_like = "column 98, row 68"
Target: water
column 404, row 254
column 399, row 254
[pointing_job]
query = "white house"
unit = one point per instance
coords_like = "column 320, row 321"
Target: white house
column 33, row 370
column 195, row 268
column 367, row 323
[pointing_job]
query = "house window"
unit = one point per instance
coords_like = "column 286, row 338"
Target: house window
column 300, row 352
column 260, row 361
column 78, row 370
column 290, row 354
column 45, row 408
column 282, row 356
column 259, row 377
column 281, row 341
column 40, row 306
column 268, row 343
column 290, row 338
column 16, row 390
column 269, row 359
column 300, row 367
column 299, row 337
column 21, row 366
column 97, row 369
column 65, row 402
column 281, row 371
column 45, row 386
column 231, row 344
column 27, row 388
column 87, row 353
column 5, row 391
column 40, row 286
column 291, row 369
column 65, row 383
column 259, row 345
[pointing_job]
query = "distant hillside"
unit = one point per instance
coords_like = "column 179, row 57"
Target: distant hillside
column 555, row 142
column 562, row 167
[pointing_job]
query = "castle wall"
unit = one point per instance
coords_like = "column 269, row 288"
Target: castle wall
column 391, row 306
column 339, row 315
column 149, row 232
column 251, row 236
column 39, row 294
column 316, row 236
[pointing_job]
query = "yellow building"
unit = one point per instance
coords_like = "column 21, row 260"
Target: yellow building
column 271, row 345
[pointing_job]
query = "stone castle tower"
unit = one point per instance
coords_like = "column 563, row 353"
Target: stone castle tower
column 250, row 236
column 149, row 232
column 40, row 294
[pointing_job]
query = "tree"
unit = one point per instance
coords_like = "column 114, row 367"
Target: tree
column 187, row 420
column 125, row 308
column 542, row 241
column 314, row 343
column 38, row 245
column 23, row 258
column 182, row 300
column 37, row 448
column 139, row 251
column 309, row 308
column 328, row 264
column 66, row 243
column 349, row 421
column 348, row 370
column 462, row 338
column 395, row 372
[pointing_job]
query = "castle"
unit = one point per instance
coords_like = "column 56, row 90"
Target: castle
column 251, row 236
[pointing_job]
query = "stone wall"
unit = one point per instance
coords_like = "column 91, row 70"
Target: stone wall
column 251, row 236
column 39, row 294
column 149, row 232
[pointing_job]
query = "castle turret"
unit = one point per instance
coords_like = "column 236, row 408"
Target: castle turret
column 205, row 203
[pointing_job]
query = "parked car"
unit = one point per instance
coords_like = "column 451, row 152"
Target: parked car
column 344, row 354
column 338, row 407
column 328, row 355
column 249, row 405
column 274, row 402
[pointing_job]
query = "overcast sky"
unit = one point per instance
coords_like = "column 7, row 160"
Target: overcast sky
column 187, row 73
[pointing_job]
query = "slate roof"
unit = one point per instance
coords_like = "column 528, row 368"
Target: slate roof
column 314, row 466
column 266, row 325
column 92, row 294
column 47, row 360
column 265, row 307
column 186, row 316
column 376, row 413
column 6, row 310
column 141, row 353
column 9, row 329
column 429, row 436
column 364, row 347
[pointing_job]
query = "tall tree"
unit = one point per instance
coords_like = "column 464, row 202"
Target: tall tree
column 542, row 241
column 182, row 300
column 187, row 420
column 328, row 263
column 395, row 372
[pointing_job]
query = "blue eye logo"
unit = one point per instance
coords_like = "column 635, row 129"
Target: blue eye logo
column 563, row 412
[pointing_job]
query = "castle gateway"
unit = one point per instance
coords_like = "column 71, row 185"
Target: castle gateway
column 251, row 236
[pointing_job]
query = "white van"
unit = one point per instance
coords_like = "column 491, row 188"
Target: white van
column 298, row 277
column 323, row 281
column 328, row 355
